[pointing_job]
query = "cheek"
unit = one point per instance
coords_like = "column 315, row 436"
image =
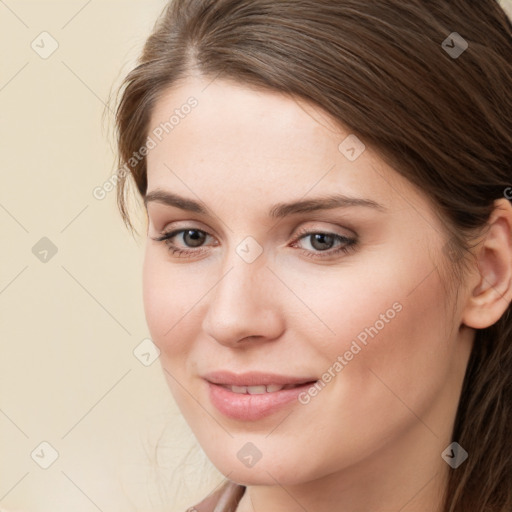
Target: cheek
column 389, row 317
column 164, row 297
column 174, row 301
column 392, row 333
column 391, row 336
column 387, row 295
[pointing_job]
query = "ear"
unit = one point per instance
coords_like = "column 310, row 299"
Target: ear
column 490, row 289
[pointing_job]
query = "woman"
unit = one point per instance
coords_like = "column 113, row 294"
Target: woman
column 329, row 256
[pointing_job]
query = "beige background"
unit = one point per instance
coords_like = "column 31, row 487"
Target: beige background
column 69, row 325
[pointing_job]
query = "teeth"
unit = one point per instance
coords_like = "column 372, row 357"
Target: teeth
column 258, row 390
column 274, row 387
column 239, row 389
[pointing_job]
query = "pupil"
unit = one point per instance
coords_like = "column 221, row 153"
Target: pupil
column 196, row 237
column 322, row 238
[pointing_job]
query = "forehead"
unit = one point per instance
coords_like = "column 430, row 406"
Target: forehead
column 237, row 141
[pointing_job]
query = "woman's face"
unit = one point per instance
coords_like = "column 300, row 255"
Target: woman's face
column 306, row 258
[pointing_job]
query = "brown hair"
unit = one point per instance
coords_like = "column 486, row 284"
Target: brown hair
column 441, row 120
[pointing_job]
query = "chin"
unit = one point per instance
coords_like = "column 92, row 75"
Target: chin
column 263, row 472
column 261, row 476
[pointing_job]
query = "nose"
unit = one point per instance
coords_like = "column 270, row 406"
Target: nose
column 243, row 306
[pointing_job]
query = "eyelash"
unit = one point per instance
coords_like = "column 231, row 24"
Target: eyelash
column 350, row 243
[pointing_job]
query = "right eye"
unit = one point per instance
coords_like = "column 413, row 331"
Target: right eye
column 191, row 237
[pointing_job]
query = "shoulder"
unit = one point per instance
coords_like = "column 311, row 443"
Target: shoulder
column 224, row 499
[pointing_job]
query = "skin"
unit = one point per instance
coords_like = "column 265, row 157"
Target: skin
column 372, row 439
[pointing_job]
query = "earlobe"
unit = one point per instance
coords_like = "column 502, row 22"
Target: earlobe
column 490, row 297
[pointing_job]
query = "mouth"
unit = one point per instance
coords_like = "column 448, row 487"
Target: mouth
column 253, row 396
column 256, row 379
column 262, row 389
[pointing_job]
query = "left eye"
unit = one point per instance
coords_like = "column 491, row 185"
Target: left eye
column 319, row 240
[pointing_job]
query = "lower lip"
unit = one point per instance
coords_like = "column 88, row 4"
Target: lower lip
column 248, row 407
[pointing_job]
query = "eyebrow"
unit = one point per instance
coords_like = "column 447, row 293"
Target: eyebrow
column 278, row 210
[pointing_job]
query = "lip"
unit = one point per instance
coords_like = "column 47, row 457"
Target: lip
column 247, row 407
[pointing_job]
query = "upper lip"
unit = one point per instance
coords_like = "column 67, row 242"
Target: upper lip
column 226, row 378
